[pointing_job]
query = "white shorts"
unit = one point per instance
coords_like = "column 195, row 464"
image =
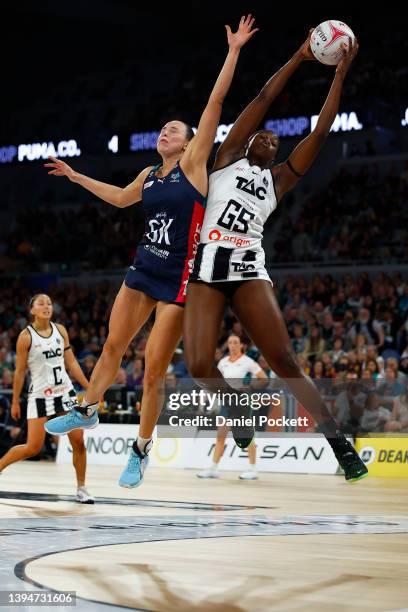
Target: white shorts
column 38, row 407
column 214, row 263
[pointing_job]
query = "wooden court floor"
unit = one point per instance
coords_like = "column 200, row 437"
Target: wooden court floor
column 177, row 543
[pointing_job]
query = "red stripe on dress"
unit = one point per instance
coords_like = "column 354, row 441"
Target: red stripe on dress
column 193, row 242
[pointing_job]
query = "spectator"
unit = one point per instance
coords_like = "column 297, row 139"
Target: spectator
column 179, row 366
column 371, row 366
column 327, row 327
column 6, row 379
column 135, row 379
column 374, row 416
column 88, row 365
column 390, row 387
column 298, row 340
column 120, row 377
column 372, row 330
column 349, row 405
column 5, row 360
column 318, row 374
column 392, row 363
column 315, row 344
column 399, row 415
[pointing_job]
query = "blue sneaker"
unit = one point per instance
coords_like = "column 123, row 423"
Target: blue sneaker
column 73, row 420
column 132, row 475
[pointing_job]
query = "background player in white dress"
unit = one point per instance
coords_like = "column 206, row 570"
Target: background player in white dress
column 235, row 367
column 244, row 189
column 43, row 347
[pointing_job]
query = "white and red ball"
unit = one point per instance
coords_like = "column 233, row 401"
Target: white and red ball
column 327, row 39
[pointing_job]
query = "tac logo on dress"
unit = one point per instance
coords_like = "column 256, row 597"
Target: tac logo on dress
column 243, row 184
column 175, row 177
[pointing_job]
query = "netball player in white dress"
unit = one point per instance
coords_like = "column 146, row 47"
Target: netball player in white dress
column 244, row 188
column 235, row 367
column 43, row 347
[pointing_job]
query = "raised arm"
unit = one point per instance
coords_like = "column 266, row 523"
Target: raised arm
column 22, row 348
column 286, row 175
column 199, row 149
column 117, row 196
column 233, row 146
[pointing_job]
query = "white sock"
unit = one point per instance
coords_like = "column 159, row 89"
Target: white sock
column 93, row 407
column 214, row 467
column 252, row 467
column 142, row 444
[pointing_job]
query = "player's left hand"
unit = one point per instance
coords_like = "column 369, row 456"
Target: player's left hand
column 245, row 31
column 349, row 53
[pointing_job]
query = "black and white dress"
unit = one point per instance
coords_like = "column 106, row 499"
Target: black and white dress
column 51, row 390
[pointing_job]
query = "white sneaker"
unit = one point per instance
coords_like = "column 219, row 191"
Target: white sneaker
column 208, row 474
column 248, row 475
column 84, row 497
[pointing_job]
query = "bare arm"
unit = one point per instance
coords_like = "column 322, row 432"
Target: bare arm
column 286, row 175
column 394, row 413
column 22, row 348
column 199, row 149
column 233, row 146
column 261, row 374
column 117, row 196
column 70, row 361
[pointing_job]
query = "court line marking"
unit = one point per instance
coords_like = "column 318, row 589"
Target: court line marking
column 117, row 501
column 20, row 568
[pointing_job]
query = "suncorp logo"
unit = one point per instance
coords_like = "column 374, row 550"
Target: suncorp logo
column 107, row 445
column 216, row 235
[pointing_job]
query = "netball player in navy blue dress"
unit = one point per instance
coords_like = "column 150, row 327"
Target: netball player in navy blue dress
column 173, row 196
column 244, row 188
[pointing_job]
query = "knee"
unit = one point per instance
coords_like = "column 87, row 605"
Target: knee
column 33, row 449
column 286, row 365
column 155, row 373
column 113, row 348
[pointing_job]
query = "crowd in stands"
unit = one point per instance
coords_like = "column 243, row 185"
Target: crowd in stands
column 345, row 330
column 361, row 215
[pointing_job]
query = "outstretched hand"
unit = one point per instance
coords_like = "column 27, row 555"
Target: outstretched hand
column 349, row 53
column 305, row 49
column 60, row 168
column 237, row 39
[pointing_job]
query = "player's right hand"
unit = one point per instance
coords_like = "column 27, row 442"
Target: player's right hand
column 15, row 410
column 60, row 168
column 245, row 31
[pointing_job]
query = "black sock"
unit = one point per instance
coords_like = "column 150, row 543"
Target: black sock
column 328, row 428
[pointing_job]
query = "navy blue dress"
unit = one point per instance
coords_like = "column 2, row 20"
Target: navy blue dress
column 174, row 212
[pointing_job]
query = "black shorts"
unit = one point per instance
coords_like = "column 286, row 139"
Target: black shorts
column 228, row 288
